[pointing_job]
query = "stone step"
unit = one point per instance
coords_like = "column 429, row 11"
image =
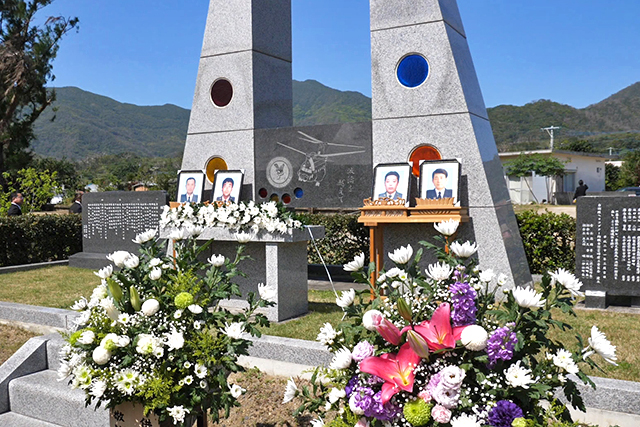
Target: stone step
column 54, row 344
column 11, row 419
column 43, row 397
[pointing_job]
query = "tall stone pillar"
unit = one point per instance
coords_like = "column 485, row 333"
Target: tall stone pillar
column 243, row 84
column 425, row 92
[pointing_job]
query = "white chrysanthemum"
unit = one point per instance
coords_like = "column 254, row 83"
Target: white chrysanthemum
column 132, row 262
column 395, row 272
column 235, row 390
column 465, row 420
column 439, row 271
column 564, row 359
column 267, row 292
column 145, row 237
column 568, row 280
column 104, row 272
column 195, row 309
column 346, row 298
column 155, row 262
column 464, row 250
column 336, row 394
column 290, row 391
column 97, row 389
column 598, row 343
column 486, row 275
column 147, row 344
column 101, row 355
column 317, row 422
column 80, row 305
column 216, row 260
column 518, row 376
column 371, row 319
column 447, row 228
column 87, row 337
column 234, row 330
column 474, row 338
column 178, row 413
column 155, row 273
column 174, row 340
column 150, row 307
column 502, row 279
column 528, row 297
column 356, row 264
column 178, row 234
column 402, row 255
column 81, row 377
column 200, row 371
column 244, row 237
column 341, row 359
column 124, row 318
column 327, row 334
column 118, row 258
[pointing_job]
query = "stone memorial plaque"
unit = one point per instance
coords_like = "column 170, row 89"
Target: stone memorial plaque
column 325, row 165
column 112, row 219
column 608, row 249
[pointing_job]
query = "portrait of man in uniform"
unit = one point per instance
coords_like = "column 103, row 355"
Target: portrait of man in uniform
column 391, row 181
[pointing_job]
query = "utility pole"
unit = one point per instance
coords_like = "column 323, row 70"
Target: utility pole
column 550, row 130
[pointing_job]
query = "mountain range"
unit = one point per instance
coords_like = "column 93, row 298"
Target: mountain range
column 87, row 124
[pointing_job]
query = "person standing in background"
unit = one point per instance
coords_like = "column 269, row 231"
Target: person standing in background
column 581, row 190
column 16, row 205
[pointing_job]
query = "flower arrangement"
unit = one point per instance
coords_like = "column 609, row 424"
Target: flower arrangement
column 153, row 332
column 241, row 216
column 440, row 349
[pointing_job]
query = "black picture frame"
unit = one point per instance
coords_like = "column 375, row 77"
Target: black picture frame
column 428, row 172
column 183, row 177
column 219, row 179
column 382, row 171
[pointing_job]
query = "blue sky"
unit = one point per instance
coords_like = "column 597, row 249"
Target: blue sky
column 145, row 52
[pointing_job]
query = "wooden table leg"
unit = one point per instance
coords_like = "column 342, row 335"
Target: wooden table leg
column 376, row 250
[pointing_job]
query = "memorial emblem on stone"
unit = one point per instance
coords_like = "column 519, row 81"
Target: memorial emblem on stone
column 279, row 172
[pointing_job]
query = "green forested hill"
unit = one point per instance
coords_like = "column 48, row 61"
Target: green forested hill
column 87, row 124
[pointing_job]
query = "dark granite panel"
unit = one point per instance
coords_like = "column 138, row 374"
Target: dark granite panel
column 110, row 220
column 331, row 165
column 608, row 244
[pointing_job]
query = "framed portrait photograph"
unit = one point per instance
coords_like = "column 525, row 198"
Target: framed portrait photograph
column 440, row 179
column 391, row 180
column 190, row 186
column 227, row 186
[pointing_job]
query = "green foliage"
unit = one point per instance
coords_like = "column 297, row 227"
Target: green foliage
column 542, row 165
column 67, row 173
column 580, row 145
column 630, row 170
column 29, row 239
column 27, row 51
column 611, row 177
column 548, row 239
column 344, row 238
column 37, row 188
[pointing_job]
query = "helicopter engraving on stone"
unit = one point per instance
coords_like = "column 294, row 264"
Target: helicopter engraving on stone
column 279, row 172
column 314, row 166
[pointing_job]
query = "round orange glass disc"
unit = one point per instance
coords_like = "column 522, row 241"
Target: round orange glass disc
column 213, row 165
column 423, row 152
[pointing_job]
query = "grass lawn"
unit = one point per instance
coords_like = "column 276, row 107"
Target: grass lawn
column 61, row 286
column 55, row 287
column 11, row 339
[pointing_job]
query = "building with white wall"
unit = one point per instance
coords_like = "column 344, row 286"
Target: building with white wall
column 588, row 167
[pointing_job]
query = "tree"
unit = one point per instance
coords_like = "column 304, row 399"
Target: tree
column 579, row 145
column 630, row 170
column 611, row 177
column 525, row 164
column 26, row 55
column 37, row 187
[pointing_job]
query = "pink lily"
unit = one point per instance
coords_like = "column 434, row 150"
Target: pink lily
column 438, row 331
column 388, row 330
column 396, row 370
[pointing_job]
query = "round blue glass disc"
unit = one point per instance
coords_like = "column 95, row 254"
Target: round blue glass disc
column 412, row 70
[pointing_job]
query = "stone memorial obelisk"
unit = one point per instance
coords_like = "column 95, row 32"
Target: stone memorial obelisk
column 243, row 84
column 425, row 92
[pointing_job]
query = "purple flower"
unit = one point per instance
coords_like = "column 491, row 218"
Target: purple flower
column 433, row 383
column 382, row 412
column 362, row 350
column 350, row 385
column 500, row 345
column 464, row 306
column 503, row 414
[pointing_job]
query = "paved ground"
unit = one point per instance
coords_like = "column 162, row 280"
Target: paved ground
column 569, row 210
